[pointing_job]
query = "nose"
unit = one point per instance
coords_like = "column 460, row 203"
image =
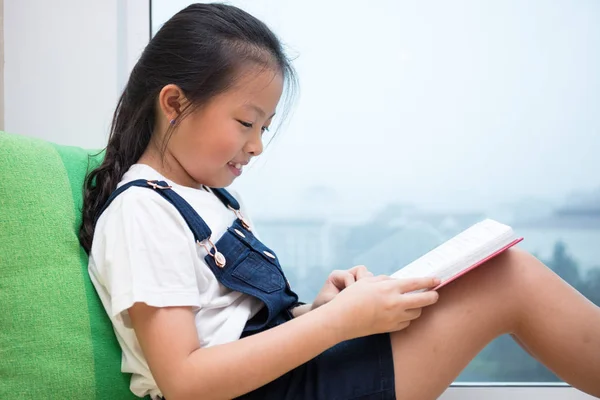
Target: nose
column 254, row 146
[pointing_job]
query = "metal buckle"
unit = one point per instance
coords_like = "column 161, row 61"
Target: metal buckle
column 155, row 185
column 217, row 255
column 239, row 216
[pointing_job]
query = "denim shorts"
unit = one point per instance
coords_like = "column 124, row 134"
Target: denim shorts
column 358, row 369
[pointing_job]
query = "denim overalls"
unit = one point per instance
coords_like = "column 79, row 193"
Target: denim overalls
column 239, row 260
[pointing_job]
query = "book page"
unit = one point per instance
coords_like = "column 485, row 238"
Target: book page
column 460, row 252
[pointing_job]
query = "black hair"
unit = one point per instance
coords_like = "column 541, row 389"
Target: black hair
column 201, row 49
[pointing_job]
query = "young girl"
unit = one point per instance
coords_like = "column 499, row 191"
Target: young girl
column 201, row 307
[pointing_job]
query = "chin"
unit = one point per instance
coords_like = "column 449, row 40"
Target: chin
column 214, row 180
column 220, row 183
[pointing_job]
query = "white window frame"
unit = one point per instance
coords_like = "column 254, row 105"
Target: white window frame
column 135, row 29
column 136, row 24
column 501, row 391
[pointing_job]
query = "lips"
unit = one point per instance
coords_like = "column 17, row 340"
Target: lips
column 235, row 168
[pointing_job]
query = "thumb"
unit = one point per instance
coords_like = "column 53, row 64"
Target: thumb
column 413, row 284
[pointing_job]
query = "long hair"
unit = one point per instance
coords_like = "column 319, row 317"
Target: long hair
column 199, row 49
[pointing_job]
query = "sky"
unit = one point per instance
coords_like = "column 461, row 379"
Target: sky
column 448, row 105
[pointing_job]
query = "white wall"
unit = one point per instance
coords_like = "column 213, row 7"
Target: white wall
column 65, row 64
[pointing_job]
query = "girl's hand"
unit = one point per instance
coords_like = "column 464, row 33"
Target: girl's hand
column 337, row 281
column 380, row 304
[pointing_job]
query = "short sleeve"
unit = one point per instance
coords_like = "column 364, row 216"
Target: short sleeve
column 145, row 253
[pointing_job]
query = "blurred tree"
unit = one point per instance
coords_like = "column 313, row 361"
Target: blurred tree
column 564, row 265
column 590, row 287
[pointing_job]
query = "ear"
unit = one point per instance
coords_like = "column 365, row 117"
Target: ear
column 171, row 101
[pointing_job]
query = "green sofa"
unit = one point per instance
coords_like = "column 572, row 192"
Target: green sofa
column 56, row 341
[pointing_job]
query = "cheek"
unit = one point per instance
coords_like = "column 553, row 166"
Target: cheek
column 202, row 144
column 185, row 140
column 222, row 140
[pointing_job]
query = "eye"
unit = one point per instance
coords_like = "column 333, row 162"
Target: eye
column 250, row 125
column 246, row 124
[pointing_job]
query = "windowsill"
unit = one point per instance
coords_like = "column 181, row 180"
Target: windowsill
column 513, row 391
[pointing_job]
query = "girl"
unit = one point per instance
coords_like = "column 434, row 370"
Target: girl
column 201, row 307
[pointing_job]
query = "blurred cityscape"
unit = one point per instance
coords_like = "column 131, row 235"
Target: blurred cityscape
column 564, row 236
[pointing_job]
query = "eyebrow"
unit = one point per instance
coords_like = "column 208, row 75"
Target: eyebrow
column 258, row 109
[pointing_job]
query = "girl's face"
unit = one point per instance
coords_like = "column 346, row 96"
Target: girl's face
column 212, row 145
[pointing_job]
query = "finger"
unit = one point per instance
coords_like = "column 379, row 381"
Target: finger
column 402, row 325
column 349, row 279
column 336, row 279
column 360, row 272
column 419, row 300
column 412, row 284
column 412, row 314
column 341, row 279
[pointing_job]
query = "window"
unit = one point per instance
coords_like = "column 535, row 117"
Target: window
column 86, row 51
column 417, row 119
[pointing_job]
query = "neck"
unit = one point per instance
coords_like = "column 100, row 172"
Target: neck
column 166, row 164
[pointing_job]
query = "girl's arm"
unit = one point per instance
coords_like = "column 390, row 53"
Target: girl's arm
column 183, row 370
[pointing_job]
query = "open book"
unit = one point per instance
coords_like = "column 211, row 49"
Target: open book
column 465, row 251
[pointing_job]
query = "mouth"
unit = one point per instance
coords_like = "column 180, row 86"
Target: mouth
column 236, row 168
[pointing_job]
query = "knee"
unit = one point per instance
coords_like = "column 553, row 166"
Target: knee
column 516, row 270
column 519, row 263
column 508, row 274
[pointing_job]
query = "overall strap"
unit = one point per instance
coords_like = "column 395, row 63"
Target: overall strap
column 226, row 198
column 195, row 222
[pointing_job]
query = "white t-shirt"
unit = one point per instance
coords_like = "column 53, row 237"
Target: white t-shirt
column 143, row 251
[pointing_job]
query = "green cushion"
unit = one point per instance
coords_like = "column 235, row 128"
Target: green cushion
column 55, row 338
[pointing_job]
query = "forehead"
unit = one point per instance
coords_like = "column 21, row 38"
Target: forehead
column 261, row 86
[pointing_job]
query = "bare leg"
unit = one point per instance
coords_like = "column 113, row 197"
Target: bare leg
column 515, row 294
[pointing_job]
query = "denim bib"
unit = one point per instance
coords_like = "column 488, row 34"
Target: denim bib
column 238, row 259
